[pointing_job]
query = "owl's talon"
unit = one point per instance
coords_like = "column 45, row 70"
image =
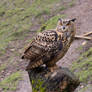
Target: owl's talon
column 52, row 69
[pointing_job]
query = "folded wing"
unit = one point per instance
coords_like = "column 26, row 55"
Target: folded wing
column 43, row 48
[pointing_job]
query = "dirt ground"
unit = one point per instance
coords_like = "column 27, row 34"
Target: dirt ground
column 82, row 10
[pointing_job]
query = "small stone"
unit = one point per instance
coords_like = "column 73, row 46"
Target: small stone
column 82, row 86
column 12, row 49
column 84, row 43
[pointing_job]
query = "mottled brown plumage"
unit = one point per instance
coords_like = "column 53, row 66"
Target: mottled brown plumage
column 51, row 45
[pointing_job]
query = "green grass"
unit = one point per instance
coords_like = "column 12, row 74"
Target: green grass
column 2, row 67
column 51, row 23
column 62, row 8
column 16, row 17
column 72, row 3
column 83, row 66
column 10, row 83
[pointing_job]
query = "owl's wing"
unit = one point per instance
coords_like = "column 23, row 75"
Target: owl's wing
column 43, row 47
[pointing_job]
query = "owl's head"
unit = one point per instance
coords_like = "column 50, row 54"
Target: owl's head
column 65, row 25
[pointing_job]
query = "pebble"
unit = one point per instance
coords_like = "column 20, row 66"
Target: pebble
column 84, row 43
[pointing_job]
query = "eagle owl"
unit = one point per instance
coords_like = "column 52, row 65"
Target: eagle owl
column 50, row 46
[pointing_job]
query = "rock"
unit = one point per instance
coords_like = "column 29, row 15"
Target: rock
column 24, row 84
column 12, row 49
column 58, row 81
column 84, row 43
column 85, row 88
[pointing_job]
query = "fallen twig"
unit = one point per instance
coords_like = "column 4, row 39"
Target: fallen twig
column 88, row 33
column 83, row 37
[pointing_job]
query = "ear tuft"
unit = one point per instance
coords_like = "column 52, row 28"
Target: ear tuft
column 73, row 20
column 59, row 19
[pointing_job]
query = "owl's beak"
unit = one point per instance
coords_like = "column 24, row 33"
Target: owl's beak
column 22, row 57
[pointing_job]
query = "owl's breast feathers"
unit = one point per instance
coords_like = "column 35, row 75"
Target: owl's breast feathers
column 44, row 47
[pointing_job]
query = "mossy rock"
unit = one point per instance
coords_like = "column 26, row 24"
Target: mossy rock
column 60, row 80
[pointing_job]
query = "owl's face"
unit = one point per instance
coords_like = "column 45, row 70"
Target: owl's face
column 64, row 25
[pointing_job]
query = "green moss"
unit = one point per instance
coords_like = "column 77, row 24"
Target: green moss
column 10, row 83
column 83, row 66
column 38, row 86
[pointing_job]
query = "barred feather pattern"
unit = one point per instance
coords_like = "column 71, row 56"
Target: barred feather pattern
column 43, row 48
column 50, row 46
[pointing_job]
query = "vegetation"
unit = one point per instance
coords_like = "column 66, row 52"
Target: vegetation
column 2, row 67
column 51, row 23
column 83, row 66
column 18, row 16
column 10, row 83
column 38, row 86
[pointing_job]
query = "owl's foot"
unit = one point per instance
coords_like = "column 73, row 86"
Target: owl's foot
column 53, row 68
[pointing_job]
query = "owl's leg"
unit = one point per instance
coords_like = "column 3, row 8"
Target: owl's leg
column 52, row 68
